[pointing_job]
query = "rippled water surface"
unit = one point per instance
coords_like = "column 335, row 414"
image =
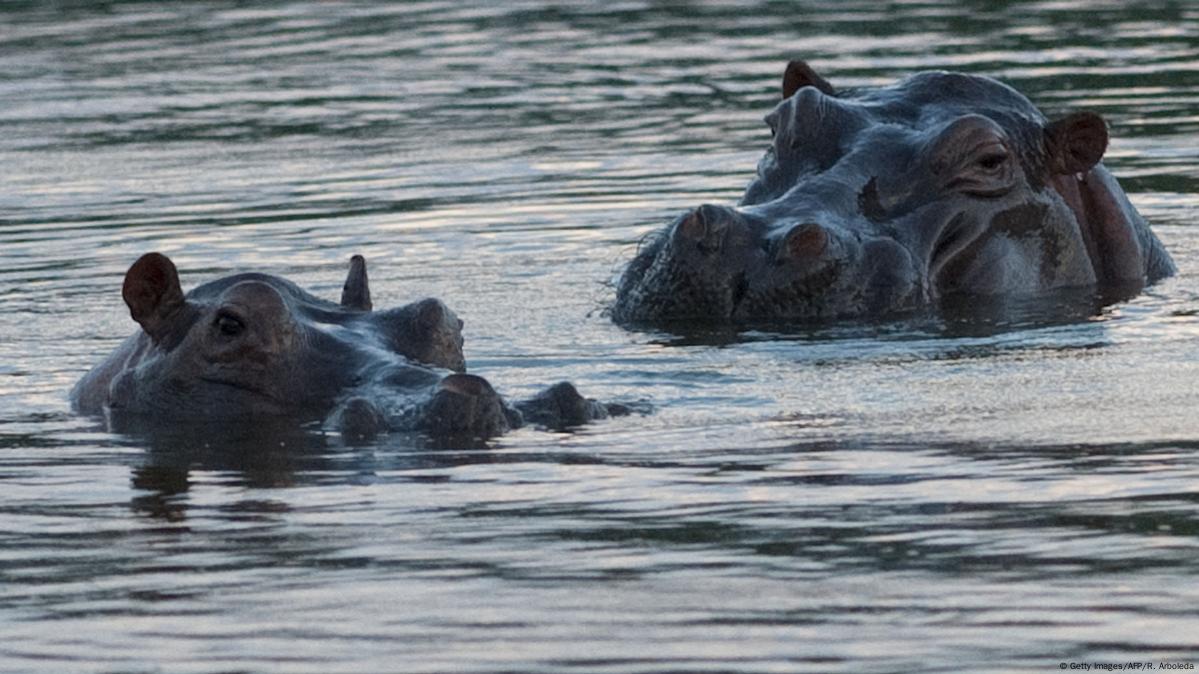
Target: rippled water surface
column 939, row 493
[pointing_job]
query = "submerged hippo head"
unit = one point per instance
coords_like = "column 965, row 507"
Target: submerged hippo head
column 257, row 348
column 880, row 200
column 251, row 346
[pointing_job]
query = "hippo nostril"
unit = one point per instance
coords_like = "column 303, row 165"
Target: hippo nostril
column 705, row 227
column 693, row 226
column 804, row 242
column 466, row 384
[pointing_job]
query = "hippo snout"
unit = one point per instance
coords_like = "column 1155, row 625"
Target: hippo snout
column 804, row 243
column 705, row 229
column 561, row 406
column 467, row 385
column 466, row 404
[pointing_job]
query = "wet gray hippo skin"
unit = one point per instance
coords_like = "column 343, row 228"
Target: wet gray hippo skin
column 251, row 347
column 886, row 199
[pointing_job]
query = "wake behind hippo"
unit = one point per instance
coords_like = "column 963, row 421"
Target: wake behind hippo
column 886, row 199
column 254, row 347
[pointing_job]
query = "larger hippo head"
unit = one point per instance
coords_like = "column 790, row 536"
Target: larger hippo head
column 249, row 347
column 880, row 200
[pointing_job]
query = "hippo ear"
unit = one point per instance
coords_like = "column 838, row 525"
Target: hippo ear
column 1076, row 142
column 152, row 292
column 356, row 293
column 799, row 75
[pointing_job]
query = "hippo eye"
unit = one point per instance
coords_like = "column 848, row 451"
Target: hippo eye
column 987, row 173
column 229, row 325
column 991, row 161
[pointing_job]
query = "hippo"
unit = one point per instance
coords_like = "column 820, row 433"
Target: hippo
column 883, row 200
column 255, row 348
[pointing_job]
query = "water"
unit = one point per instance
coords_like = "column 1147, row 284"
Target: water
column 932, row 494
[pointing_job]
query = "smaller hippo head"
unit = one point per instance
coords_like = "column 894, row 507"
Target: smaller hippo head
column 881, row 200
column 253, row 345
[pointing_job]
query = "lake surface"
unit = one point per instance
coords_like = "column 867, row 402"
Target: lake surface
column 939, row 493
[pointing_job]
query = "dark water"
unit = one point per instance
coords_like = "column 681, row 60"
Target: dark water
column 996, row 492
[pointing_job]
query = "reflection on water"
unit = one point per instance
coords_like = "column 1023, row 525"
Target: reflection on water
column 998, row 486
